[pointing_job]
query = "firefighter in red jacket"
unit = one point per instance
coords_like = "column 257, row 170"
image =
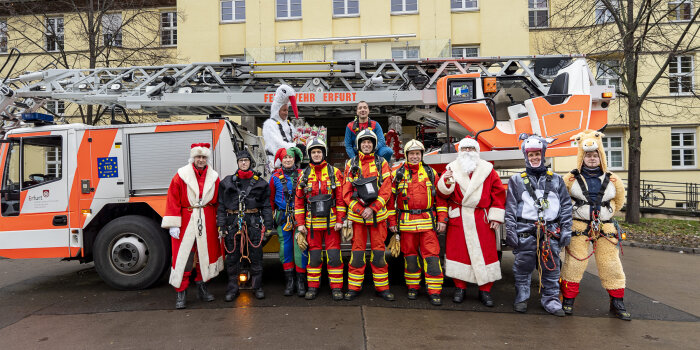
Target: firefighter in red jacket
column 366, row 191
column 319, row 211
column 416, row 216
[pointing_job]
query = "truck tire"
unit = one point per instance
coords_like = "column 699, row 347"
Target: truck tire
column 131, row 252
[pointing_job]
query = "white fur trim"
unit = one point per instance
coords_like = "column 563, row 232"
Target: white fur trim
column 453, row 213
column 200, row 151
column 464, row 272
column 497, row 214
column 171, row 221
column 273, row 138
column 443, row 188
column 469, row 142
column 470, row 187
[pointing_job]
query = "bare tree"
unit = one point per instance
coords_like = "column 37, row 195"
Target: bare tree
column 646, row 37
column 70, row 34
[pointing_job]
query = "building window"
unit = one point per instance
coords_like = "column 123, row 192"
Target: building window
column 683, row 147
column 232, row 11
column 680, row 10
column 288, row 9
column 293, row 56
column 54, row 34
column 112, row 29
column 614, row 151
column 168, row 28
column 538, row 13
column 346, row 7
column 56, row 107
column 464, row 4
column 347, row 55
column 680, row 75
column 608, row 73
column 3, row 36
column 465, row 51
column 52, row 166
column 235, row 58
column 404, row 53
column 602, row 14
column 399, row 7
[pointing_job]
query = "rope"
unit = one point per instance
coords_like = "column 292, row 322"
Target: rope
column 545, row 253
column 245, row 242
column 594, row 233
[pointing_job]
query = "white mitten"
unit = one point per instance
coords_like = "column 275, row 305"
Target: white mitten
column 175, row 232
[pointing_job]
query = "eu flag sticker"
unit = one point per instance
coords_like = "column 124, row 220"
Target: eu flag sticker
column 107, row 167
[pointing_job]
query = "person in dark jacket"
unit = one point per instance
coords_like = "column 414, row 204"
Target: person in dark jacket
column 538, row 224
column 244, row 215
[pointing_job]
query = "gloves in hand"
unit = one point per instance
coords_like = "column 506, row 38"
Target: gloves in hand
column 347, row 231
column 175, row 232
column 394, row 245
column 301, row 241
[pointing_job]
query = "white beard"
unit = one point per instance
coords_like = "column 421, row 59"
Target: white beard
column 468, row 161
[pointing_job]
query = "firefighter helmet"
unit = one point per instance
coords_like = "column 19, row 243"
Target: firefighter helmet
column 366, row 134
column 316, row 143
column 413, row 145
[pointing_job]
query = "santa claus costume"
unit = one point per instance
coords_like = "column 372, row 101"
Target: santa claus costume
column 475, row 199
column 190, row 214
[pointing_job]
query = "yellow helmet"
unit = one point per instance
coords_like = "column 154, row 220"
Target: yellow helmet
column 413, row 145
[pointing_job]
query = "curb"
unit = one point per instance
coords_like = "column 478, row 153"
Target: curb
column 686, row 250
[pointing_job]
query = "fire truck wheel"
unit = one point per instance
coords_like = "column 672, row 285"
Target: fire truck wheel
column 131, row 252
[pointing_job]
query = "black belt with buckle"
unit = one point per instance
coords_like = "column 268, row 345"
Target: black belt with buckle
column 415, row 211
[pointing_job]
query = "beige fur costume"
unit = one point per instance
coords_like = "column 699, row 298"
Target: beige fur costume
column 607, row 257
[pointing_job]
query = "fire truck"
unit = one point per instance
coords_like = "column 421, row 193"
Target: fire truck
column 97, row 193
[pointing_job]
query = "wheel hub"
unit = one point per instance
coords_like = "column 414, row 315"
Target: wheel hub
column 129, row 254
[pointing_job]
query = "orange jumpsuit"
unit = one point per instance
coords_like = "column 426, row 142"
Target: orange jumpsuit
column 321, row 229
column 362, row 228
column 411, row 210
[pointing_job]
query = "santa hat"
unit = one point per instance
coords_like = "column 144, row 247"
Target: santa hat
column 469, row 142
column 200, row 149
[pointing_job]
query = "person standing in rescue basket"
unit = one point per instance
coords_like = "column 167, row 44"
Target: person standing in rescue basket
column 319, row 210
column 416, row 214
column 476, row 200
column 283, row 183
column 597, row 194
column 190, row 216
column 366, row 191
column 538, row 225
column 244, row 216
column 362, row 122
column 277, row 130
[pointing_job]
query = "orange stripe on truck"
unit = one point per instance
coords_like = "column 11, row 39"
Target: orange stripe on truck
column 30, row 134
column 29, row 253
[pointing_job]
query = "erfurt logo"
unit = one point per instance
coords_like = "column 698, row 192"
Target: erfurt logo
column 46, row 193
column 32, row 197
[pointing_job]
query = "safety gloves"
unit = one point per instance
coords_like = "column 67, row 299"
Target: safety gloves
column 347, row 231
column 394, row 245
column 175, row 232
column 301, row 241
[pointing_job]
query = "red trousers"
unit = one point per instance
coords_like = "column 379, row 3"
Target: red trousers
column 429, row 249
column 571, row 289
column 334, row 260
column 463, row 285
column 356, row 270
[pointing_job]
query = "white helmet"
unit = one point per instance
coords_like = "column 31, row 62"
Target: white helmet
column 316, row 143
column 413, row 145
column 366, row 134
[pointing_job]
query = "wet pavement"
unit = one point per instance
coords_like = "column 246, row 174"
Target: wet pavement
column 45, row 303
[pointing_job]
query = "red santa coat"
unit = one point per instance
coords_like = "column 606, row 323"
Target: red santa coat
column 183, row 193
column 473, row 201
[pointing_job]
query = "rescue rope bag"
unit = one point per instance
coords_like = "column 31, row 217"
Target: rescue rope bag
column 319, row 205
column 366, row 188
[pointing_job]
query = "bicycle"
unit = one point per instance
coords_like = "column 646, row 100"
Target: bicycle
column 653, row 197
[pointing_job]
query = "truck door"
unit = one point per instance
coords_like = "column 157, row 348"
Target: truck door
column 34, row 220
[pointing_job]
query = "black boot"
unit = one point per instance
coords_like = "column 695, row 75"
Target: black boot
column 485, row 298
column 618, row 308
column 311, row 293
column 459, row 295
column 232, row 271
column 350, row 295
column 181, row 300
column 301, row 284
column 337, row 294
column 386, row 295
column 256, row 283
column 203, row 293
column 412, row 294
column 289, row 287
column 435, row 299
column 568, row 306
column 520, row 307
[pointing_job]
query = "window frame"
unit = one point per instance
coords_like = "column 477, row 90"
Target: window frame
column 233, row 11
column 285, row 53
column 609, row 149
column 171, row 29
column 464, row 48
column 678, row 8
column 404, row 11
column 536, row 10
column 678, row 75
column 465, row 9
column 289, row 11
column 607, row 73
column 58, row 160
column 4, row 37
column 682, row 148
column 599, row 5
column 345, row 8
column 405, row 50
column 234, row 58
column 54, row 36
column 56, row 106
column 117, row 39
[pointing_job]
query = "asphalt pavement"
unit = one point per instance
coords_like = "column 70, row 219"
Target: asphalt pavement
column 50, row 304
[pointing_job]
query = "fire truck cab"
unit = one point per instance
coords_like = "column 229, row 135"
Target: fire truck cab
column 98, row 192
